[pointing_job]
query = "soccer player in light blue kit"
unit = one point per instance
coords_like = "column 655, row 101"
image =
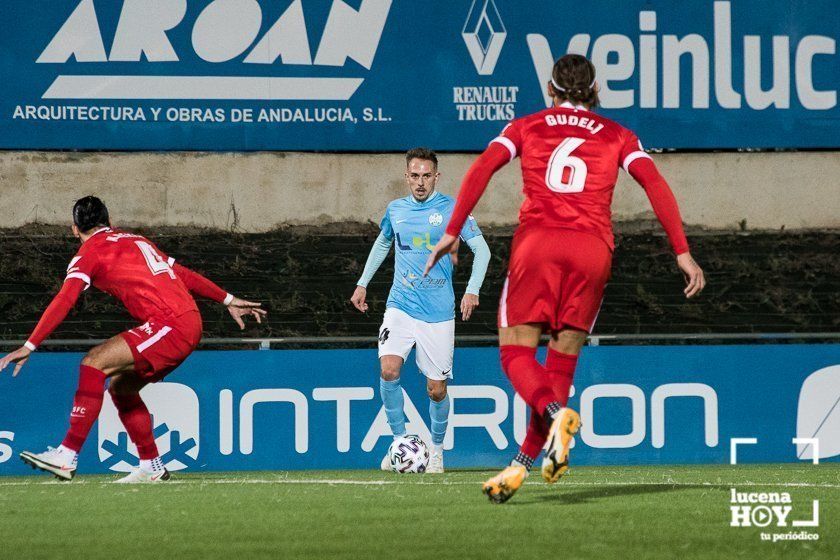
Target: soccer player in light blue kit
column 420, row 310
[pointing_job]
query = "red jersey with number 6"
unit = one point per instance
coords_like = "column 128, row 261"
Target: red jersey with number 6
column 133, row 270
column 574, row 152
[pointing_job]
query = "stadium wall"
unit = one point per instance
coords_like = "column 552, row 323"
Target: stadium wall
column 256, row 192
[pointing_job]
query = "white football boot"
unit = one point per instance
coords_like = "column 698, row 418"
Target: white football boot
column 385, row 465
column 435, row 463
column 140, row 476
column 54, row 461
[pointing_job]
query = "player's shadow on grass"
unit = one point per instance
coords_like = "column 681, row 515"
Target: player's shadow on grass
column 571, row 495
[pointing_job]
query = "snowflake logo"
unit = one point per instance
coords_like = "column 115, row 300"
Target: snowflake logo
column 178, row 450
column 176, row 429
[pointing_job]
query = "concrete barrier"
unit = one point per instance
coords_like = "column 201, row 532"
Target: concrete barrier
column 259, row 191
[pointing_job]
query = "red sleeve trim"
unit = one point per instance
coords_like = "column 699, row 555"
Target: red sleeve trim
column 507, row 143
column 79, row 276
column 633, row 157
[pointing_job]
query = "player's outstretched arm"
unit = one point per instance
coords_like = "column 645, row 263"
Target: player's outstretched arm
column 376, row 257
column 472, row 187
column 53, row 315
column 206, row 288
column 664, row 205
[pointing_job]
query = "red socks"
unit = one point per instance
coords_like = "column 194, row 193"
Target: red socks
column 535, row 436
column 88, row 403
column 86, row 406
column 559, row 371
column 138, row 423
column 527, row 376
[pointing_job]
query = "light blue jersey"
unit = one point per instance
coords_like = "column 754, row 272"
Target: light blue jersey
column 415, row 228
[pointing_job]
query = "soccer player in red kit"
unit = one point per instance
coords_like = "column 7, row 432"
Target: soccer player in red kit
column 156, row 291
column 562, row 251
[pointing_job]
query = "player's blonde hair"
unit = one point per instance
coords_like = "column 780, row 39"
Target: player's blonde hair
column 573, row 79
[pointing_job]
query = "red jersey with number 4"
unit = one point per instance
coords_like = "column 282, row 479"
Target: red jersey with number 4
column 570, row 159
column 133, row 270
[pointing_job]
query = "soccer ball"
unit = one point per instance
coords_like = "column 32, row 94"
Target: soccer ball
column 408, row 454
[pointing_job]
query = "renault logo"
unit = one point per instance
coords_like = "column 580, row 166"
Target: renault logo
column 485, row 34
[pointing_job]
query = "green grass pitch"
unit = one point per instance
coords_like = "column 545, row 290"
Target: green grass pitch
column 595, row 512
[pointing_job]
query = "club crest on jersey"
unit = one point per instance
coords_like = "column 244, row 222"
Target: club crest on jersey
column 436, row 219
column 176, row 428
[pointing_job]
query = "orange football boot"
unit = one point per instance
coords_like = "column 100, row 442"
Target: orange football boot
column 504, row 485
column 563, row 429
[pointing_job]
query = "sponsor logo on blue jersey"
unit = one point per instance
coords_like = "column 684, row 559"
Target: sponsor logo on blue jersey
column 415, row 228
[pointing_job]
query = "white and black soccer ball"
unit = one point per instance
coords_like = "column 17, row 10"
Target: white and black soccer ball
column 408, row 454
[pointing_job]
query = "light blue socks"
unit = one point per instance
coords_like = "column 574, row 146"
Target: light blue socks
column 392, row 398
column 439, row 413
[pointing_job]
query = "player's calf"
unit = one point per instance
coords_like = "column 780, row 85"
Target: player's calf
column 439, row 406
column 138, row 423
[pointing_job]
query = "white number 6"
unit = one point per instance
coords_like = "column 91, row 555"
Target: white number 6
column 560, row 160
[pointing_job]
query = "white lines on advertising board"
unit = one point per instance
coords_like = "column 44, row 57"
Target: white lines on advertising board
column 203, row 87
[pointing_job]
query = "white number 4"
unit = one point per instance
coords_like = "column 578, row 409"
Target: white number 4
column 156, row 263
column 562, row 159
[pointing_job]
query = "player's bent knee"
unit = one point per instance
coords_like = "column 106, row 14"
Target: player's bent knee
column 568, row 341
column 521, row 335
column 115, row 389
column 390, row 374
column 93, row 358
column 390, row 367
column 118, row 387
column 436, row 392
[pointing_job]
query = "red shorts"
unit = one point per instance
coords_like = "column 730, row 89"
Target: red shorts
column 556, row 277
column 160, row 345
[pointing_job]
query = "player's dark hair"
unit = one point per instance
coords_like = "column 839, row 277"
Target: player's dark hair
column 421, row 153
column 90, row 212
column 573, row 79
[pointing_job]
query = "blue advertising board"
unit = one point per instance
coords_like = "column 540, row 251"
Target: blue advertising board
column 318, row 409
column 383, row 75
